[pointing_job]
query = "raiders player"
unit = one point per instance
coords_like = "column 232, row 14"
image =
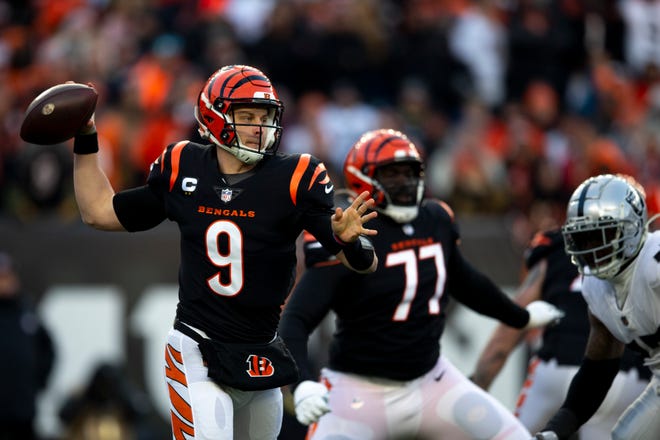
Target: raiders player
column 606, row 235
column 239, row 206
column 386, row 377
column 552, row 277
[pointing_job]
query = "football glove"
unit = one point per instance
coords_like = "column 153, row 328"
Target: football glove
column 311, row 401
column 542, row 313
column 545, row 435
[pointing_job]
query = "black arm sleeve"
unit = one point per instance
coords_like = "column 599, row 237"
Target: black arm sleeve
column 478, row 292
column 309, row 303
column 360, row 254
column 139, row 209
column 586, row 393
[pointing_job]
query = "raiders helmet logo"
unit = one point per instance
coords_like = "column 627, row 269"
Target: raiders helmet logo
column 259, row 366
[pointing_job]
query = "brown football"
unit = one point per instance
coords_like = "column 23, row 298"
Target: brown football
column 58, row 113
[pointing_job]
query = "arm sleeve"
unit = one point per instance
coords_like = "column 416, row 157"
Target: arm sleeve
column 139, row 209
column 478, row 292
column 585, row 394
column 309, row 303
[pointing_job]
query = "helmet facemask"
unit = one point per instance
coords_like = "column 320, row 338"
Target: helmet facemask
column 605, row 226
column 600, row 246
column 229, row 137
column 399, row 188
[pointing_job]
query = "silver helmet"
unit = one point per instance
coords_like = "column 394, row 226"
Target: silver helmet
column 605, row 224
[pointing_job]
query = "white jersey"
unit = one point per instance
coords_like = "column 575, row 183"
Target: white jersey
column 639, row 318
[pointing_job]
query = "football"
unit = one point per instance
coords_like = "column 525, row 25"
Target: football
column 58, row 113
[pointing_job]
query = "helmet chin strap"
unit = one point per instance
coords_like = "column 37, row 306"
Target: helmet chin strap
column 244, row 154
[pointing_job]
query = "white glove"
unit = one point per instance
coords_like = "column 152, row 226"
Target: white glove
column 545, row 435
column 311, row 401
column 542, row 313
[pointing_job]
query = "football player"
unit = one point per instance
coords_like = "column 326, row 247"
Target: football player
column 607, row 238
column 239, row 205
column 552, row 277
column 386, row 377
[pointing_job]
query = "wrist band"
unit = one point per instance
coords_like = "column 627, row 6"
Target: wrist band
column 339, row 240
column 86, row 144
column 359, row 254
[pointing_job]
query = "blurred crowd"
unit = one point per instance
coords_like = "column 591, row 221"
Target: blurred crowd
column 514, row 102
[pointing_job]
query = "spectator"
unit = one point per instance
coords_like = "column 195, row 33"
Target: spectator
column 28, row 356
column 108, row 408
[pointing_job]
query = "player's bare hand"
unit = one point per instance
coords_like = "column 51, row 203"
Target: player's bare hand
column 90, row 126
column 348, row 224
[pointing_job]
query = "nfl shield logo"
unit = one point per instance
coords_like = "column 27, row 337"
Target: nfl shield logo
column 225, row 195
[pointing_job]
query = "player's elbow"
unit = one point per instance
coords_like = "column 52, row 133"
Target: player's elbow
column 101, row 220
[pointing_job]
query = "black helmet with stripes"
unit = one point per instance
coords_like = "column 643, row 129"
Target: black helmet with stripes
column 605, row 224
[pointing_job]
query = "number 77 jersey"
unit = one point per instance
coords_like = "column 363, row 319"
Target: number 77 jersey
column 238, row 235
column 389, row 323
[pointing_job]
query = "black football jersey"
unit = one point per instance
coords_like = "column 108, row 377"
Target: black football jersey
column 238, row 250
column 388, row 323
column 562, row 285
column 565, row 341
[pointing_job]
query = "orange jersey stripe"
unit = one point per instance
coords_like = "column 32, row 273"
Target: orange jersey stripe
column 308, row 237
column 176, row 159
column 303, row 163
column 319, row 169
column 540, row 239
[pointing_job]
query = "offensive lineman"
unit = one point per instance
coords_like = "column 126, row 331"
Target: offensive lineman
column 606, row 235
column 386, row 378
column 239, row 206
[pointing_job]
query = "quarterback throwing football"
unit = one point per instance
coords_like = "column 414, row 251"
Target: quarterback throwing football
column 239, row 205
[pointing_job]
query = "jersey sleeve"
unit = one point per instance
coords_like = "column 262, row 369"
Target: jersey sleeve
column 165, row 169
column 139, row 209
column 312, row 192
column 444, row 214
column 542, row 244
column 478, row 292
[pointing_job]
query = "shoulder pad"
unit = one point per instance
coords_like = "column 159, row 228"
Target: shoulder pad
column 438, row 206
column 543, row 244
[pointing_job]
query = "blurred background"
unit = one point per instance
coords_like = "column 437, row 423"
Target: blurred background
column 513, row 102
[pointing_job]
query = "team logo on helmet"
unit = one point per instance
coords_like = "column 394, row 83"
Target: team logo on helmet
column 259, row 366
